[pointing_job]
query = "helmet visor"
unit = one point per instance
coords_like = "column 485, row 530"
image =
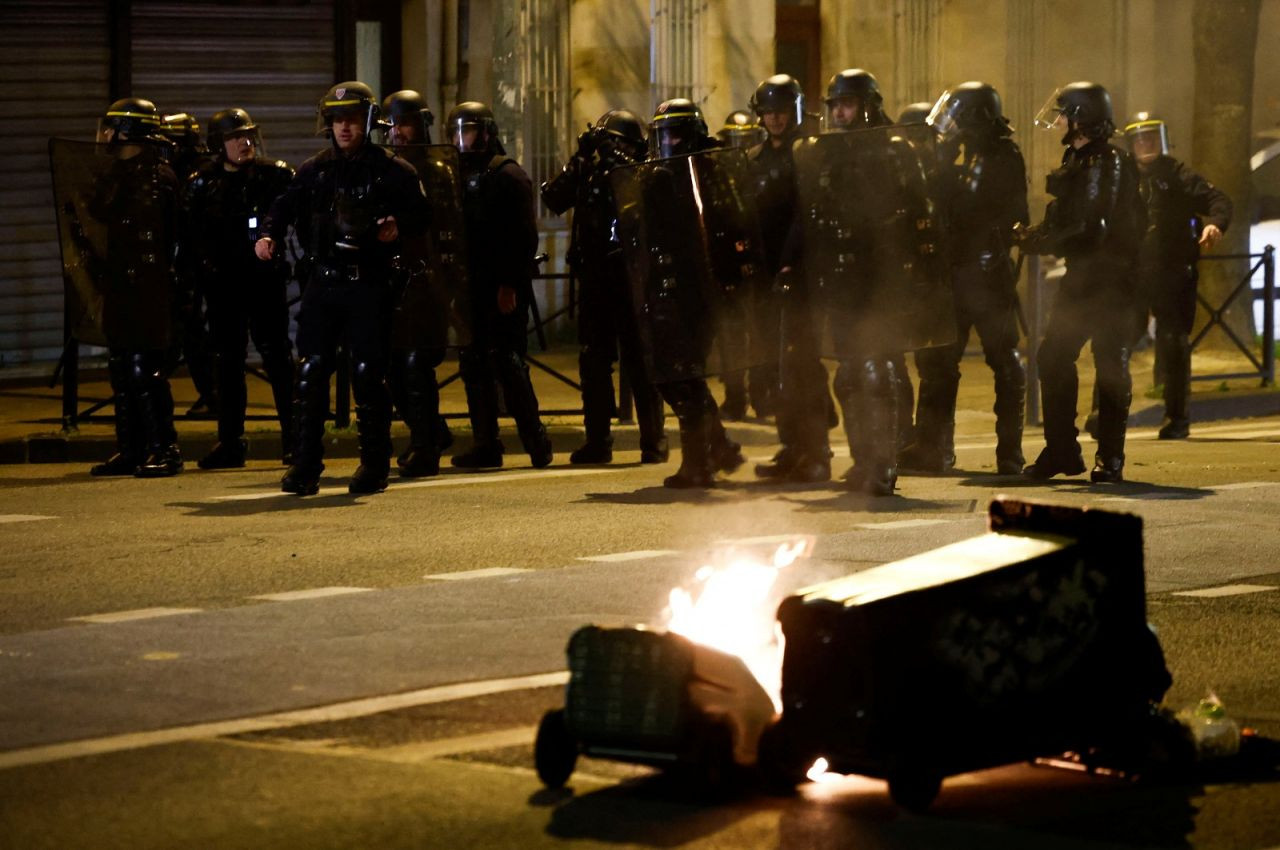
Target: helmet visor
column 1050, row 116
column 1147, row 140
column 467, row 134
column 241, row 146
column 944, row 117
column 359, row 111
column 672, row 139
column 742, row 137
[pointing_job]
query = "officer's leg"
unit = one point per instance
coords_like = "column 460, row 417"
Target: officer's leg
column 1070, row 325
column 906, row 401
column 155, row 407
column 650, row 410
column 732, row 344
column 418, row 399
column 522, row 404
column 595, row 372
column 318, row 335
column 688, row 401
column 1115, row 393
column 228, row 325
column 805, row 454
column 933, row 449
column 1174, row 319
column 998, row 331
column 130, row 439
column 765, row 331
column 868, row 393
column 269, row 328
column 478, row 380
column 367, row 324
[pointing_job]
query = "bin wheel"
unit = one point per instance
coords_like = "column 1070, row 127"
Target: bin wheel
column 915, row 791
column 555, row 752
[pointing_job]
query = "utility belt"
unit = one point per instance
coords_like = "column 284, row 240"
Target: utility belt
column 337, row 273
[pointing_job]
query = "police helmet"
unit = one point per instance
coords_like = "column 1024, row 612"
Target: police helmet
column 740, row 130
column 779, row 93
column 183, row 130
column 626, row 128
column 132, row 118
column 914, row 113
column 973, row 107
column 473, row 115
column 855, row 84
column 228, row 123
column 1148, row 137
column 352, row 99
column 1085, row 106
column 409, row 107
column 676, row 128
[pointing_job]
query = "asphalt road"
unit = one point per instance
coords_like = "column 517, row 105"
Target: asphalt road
column 202, row 662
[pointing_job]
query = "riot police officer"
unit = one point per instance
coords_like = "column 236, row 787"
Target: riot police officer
column 348, row 204
column 985, row 196
column 137, row 200
column 741, row 131
column 420, row 325
column 187, row 154
column 502, row 236
column 1185, row 213
column 1096, row 220
column 606, row 321
column 782, row 330
column 678, row 128
column 223, row 205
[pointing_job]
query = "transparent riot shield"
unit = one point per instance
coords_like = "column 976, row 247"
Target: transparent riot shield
column 691, row 244
column 433, row 309
column 872, row 255
column 117, row 218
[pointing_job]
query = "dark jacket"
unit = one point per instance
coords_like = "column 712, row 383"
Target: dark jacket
column 987, row 196
column 502, row 232
column 223, row 212
column 1180, row 203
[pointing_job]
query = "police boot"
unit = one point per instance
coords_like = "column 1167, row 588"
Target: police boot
column 1177, row 388
column 651, row 419
column 695, row 462
column 225, row 455
column 930, row 447
column 155, row 403
column 812, row 463
column 780, row 465
column 1010, row 410
column 482, row 407
column 129, row 433
column 522, row 403
column 1115, row 394
column 1052, row 462
column 875, row 472
column 726, row 455
column 310, row 403
column 1108, row 470
column 593, row 451
column 421, row 411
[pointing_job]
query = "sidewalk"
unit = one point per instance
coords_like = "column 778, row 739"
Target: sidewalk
column 31, row 412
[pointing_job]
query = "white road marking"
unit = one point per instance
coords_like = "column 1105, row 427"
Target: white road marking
column 442, row 481
column 638, row 555
column 902, row 523
column 414, row 753
column 1226, row 590
column 762, row 540
column 7, row 518
column 488, row 572
column 313, row 593
column 281, row 720
column 138, row 614
column 1245, row 485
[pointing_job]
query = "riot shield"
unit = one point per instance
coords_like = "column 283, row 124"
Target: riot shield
column 872, row 254
column 691, row 244
column 117, row 213
column 433, row 309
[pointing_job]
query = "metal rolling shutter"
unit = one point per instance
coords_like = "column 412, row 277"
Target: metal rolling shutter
column 54, row 60
column 275, row 60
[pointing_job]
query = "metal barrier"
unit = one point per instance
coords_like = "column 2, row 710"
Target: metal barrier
column 1264, row 362
column 1264, row 366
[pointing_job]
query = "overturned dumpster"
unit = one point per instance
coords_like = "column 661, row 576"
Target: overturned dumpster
column 1027, row 641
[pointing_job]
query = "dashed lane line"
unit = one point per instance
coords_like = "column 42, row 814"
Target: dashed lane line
column 488, row 572
column 414, row 753
column 137, row 614
column 1226, row 590
column 8, row 518
column 902, row 523
column 280, row 720
column 1245, row 485
column 442, row 481
column 312, row 593
column 638, row 555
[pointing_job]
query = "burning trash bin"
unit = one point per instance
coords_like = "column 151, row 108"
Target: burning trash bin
column 1027, row 641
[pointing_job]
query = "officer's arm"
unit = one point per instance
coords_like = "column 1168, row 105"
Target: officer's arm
column 1211, row 203
column 1101, row 199
column 560, row 193
column 409, row 203
column 513, row 208
column 283, row 212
